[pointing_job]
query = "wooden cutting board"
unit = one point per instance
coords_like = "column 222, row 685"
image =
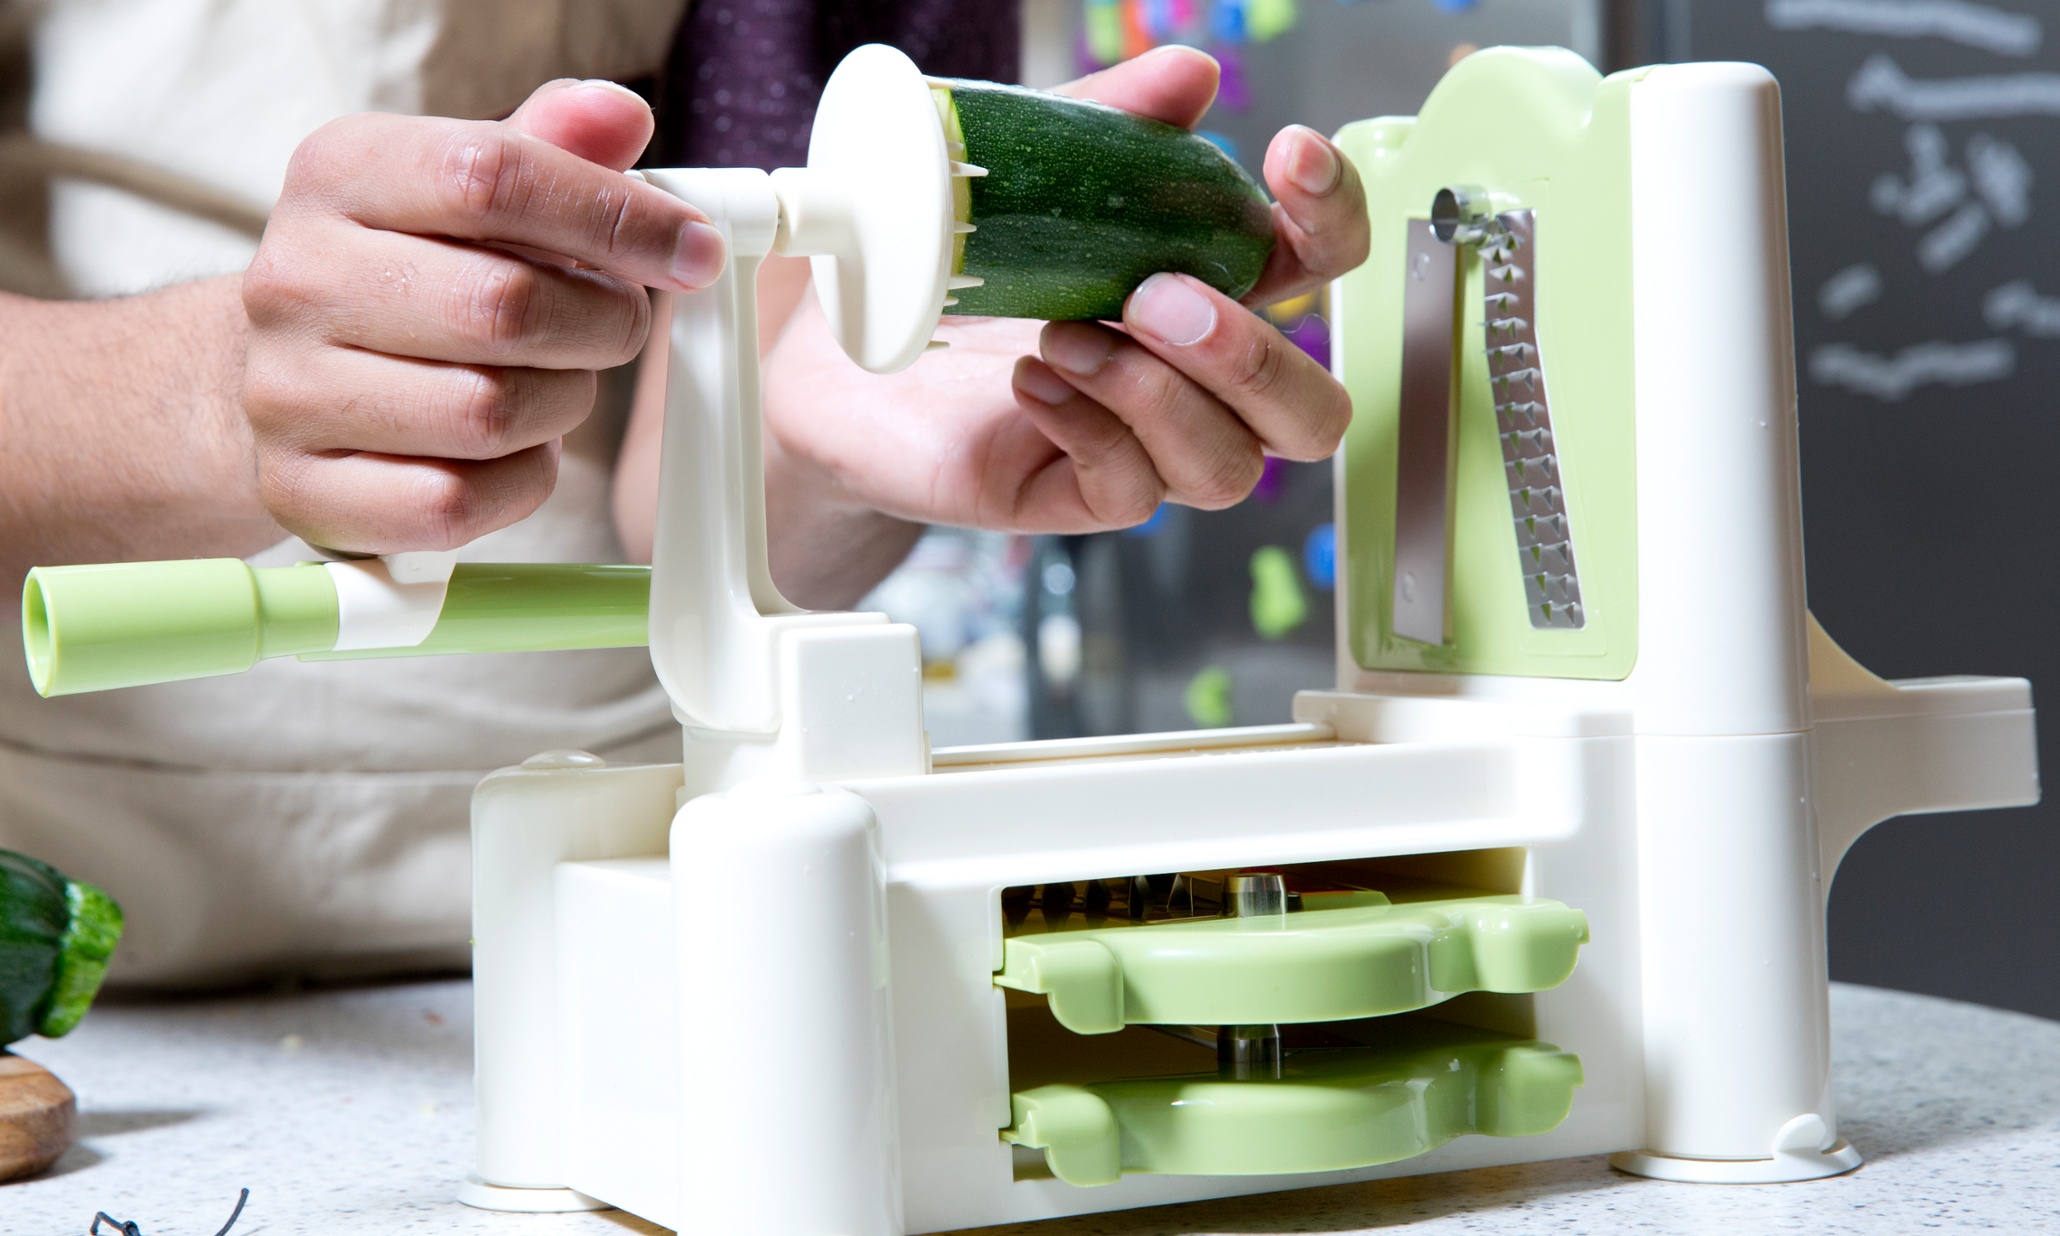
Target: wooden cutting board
column 38, row 1117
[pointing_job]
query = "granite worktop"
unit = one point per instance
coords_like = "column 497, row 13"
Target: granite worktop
column 349, row 1111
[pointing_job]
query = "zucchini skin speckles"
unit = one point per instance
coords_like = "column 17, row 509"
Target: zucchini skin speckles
column 1082, row 202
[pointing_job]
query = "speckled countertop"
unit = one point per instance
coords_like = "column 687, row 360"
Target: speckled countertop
column 351, row 1111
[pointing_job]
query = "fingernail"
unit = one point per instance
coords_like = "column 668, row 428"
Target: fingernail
column 1313, row 165
column 698, row 257
column 1077, row 348
column 1169, row 307
column 1042, row 384
column 603, row 84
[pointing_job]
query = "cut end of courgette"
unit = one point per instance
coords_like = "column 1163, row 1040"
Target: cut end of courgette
column 83, row 953
column 961, row 190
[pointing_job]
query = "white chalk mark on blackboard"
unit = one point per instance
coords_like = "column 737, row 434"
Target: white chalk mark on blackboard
column 2018, row 304
column 1848, row 291
column 1932, row 189
column 1881, row 84
column 1944, row 246
column 1976, row 25
column 1922, row 364
column 2002, row 177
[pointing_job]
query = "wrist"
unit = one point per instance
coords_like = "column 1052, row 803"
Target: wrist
column 827, row 547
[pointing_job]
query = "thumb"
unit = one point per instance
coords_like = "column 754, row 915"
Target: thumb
column 599, row 121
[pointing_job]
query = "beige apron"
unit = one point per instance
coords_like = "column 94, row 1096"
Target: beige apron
column 304, row 818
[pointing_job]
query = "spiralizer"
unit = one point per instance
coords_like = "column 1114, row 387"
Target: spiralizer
column 1543, row 875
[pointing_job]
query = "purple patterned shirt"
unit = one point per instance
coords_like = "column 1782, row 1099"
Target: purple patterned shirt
column 740, row 86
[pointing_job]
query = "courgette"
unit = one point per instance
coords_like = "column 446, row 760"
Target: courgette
column 56, row 936
column 1081, row 202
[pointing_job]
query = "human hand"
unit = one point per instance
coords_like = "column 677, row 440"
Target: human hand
column 431, row 301
column 1077, row 426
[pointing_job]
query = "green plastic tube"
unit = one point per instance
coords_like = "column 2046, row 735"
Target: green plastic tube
column 95, row 628
column 531, row 607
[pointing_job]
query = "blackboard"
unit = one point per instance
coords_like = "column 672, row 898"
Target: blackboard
column 1923, row 155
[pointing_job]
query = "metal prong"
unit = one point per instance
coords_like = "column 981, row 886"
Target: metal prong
column 935, row 345
column 1463, row 215
column 1249, row 1053
column 1249, row 894
column 959, row 283
column 963, row 229
column 968, row 170
column 949, row 301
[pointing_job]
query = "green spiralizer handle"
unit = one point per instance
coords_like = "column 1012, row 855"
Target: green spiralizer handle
column 95, row 628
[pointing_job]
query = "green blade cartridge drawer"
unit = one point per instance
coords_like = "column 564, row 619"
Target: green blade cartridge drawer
column 1329, row 1110
column 1365, row 958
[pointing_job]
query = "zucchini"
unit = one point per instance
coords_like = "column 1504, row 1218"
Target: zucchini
column 1082, row 202
column 56, row 935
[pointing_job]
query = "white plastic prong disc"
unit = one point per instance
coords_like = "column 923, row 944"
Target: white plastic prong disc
column 879, row 140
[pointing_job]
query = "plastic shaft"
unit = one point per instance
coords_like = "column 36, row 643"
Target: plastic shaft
column 532, row 607
column 95, row 628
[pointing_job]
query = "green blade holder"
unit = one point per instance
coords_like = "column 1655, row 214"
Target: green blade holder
column 95, row 628
column 1363, row 960
column 1329, row 1111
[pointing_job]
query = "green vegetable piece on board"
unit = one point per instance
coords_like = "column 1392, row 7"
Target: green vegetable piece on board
column 56, row 936
column 1278, row 606
column 1082, row 202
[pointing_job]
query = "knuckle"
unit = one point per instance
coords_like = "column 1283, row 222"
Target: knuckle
column 497, row 304
column 490, row 407
column 635, row 325
column 461, row 503
column 267, row 391
column 314, row 162
column 1332, row 422
column 452, row 508
column 1160, row 390
column 286, row 484
column 1320, row 429
column 1136, row 506
column 1227, row 480
column 483, row 171
column 1261, row 366
column 271, row 286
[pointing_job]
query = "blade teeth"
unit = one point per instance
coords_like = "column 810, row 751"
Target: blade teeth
column 963, row 229
column 970, row 170
column 957, row 283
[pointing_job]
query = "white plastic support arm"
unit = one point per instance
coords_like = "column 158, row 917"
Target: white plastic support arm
column 873, row 211
column 711, row 589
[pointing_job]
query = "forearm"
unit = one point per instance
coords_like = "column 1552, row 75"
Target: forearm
column 121, row 431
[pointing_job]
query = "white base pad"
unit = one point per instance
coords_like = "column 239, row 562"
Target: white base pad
column 1783, row 1168
column 480, row 1195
